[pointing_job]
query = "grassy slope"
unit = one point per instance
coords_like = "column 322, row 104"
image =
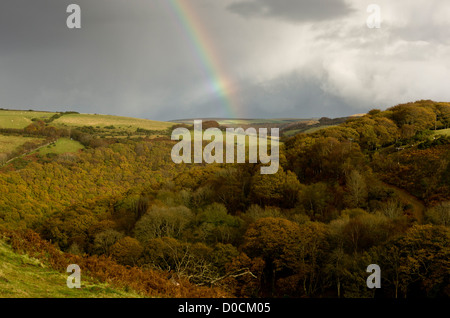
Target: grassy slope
column 314, row 129
column 124, row 123
column 10, row 143
column 445, row 132
column 62, row 145
column 25, row 277
column 293, row 132
column 19, row 118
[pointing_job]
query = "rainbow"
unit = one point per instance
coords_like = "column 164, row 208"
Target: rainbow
column 221, row 84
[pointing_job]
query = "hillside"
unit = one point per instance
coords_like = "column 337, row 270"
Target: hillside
column 372, row 189
column 22, row 276
column 21, row 118
column 20, row 131
column 288, row 126
column 111, row 125
column 103, row 125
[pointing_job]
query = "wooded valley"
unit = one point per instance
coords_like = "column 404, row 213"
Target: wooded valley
column 371, row 190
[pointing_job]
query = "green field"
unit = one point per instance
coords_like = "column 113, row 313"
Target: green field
column 445, row 132
column 314, row 129
column 293, row 132
column 10, row 143
column 22, row 276
column 102, row 121
column 290, row 133
column 20, row 118
column 62, row 145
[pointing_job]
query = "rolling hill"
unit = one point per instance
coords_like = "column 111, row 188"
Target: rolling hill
column 21, row 118
column 15, row 143
column 101, row 121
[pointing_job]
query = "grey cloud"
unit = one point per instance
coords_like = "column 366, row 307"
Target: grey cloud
column 435, row 34
column 26, row 25
column 297, row 94
column 127, row 58
column 292, row 10
column 35, row 24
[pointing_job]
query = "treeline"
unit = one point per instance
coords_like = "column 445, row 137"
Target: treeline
column 54, row 117
column 305, row 125
column 37, row 128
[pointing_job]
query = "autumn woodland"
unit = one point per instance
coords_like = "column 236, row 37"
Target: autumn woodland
column 372, row 189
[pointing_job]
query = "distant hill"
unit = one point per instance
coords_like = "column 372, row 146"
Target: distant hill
column 312, row 125
column 220, row 119
column 21, row 118
column 102, row 125
column 21, row 131
column 288, row 126
column 103, row 121
column 116, row 126
column 243, row 121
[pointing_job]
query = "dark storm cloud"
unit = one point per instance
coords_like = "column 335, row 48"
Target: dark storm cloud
column 34, row 24
column 26, row 24
column 123, row 60
column 292, row 10
column 297, row 94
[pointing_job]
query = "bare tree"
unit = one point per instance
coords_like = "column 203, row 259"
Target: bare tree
column 440, row 214
column 357, row 188
column 392, row 208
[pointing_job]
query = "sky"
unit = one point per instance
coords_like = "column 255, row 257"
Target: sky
column 174, row 59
